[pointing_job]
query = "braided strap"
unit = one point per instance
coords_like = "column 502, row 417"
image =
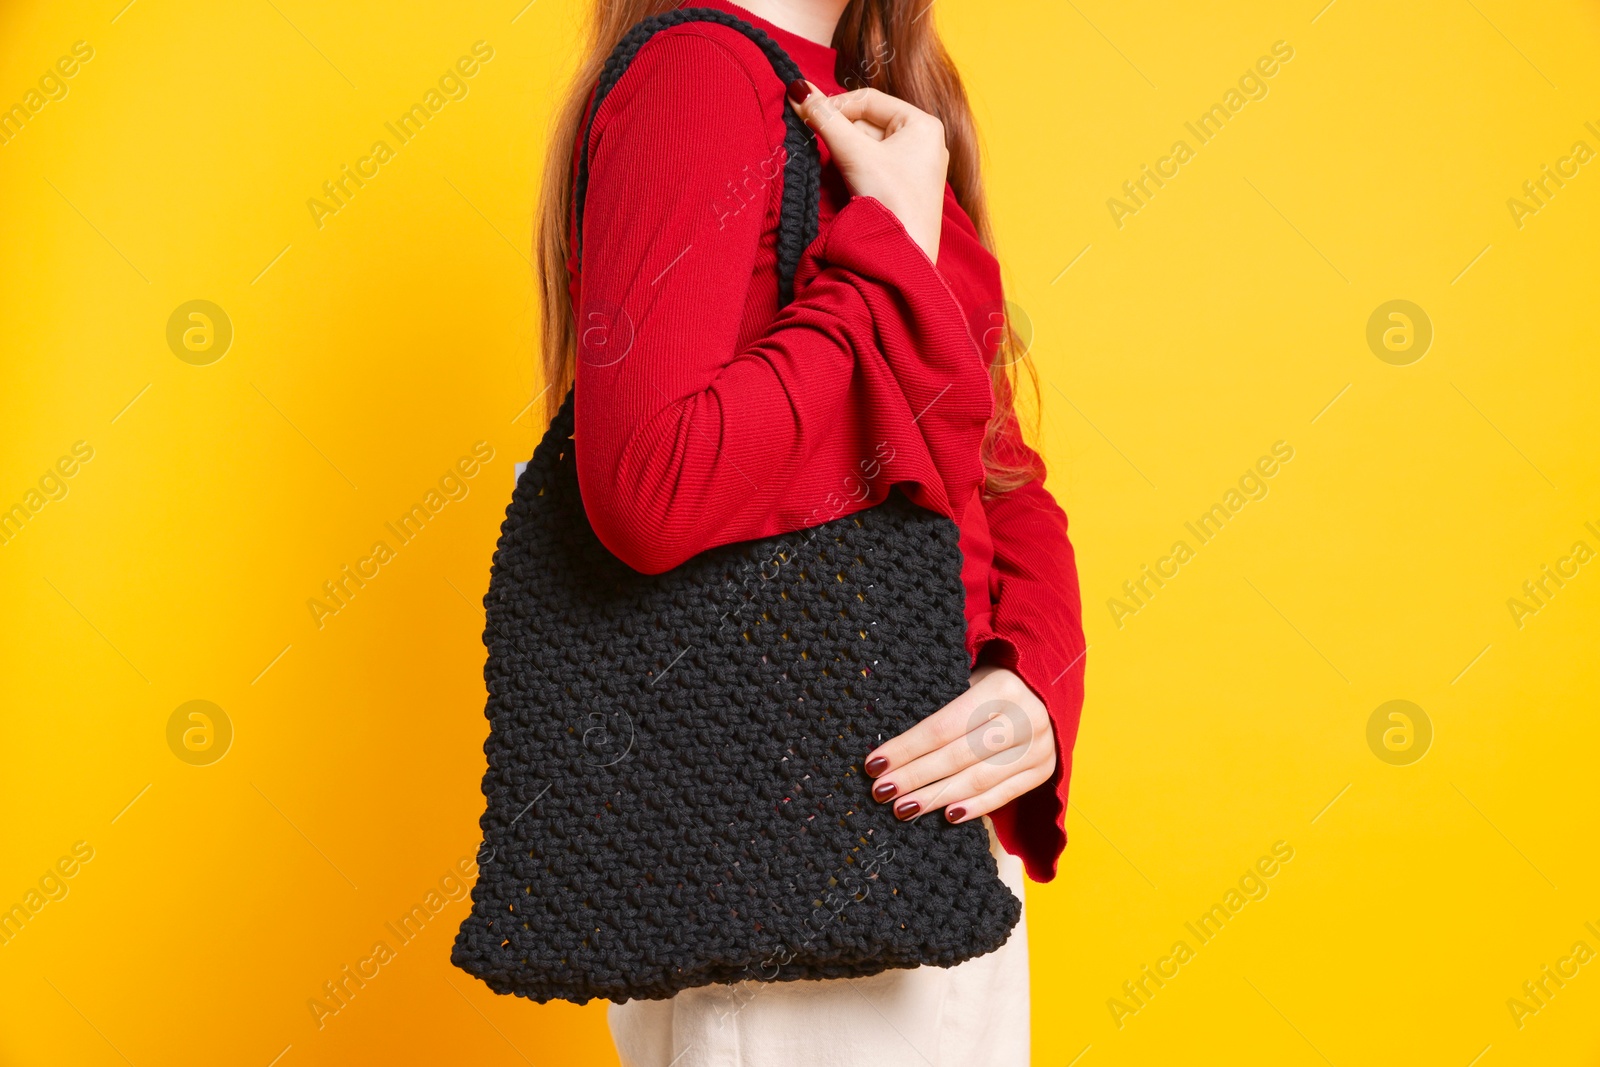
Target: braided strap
column 802, row 169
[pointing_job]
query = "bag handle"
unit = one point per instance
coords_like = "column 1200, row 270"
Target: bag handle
column 802, row 169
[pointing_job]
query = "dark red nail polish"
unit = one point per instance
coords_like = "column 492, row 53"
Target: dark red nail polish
column 955, row 814
column 799, row 90
column 906, row 808
column 883, row 790
column 877, row 765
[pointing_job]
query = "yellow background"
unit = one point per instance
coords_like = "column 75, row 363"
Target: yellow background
column 1229, row 713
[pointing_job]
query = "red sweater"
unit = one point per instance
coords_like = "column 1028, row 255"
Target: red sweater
column 705, row 415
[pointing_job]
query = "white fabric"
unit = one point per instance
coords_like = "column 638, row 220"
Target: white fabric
column 972, row 1015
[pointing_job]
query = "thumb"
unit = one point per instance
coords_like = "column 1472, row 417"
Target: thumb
column 844, row 140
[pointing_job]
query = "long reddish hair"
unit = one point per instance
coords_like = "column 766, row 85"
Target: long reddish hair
column 881, row 44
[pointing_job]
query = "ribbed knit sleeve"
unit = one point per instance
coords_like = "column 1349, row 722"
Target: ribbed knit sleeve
column 688, row 436
column 1036, row 631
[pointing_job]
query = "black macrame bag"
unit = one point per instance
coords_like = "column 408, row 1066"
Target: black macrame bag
column 674, row 785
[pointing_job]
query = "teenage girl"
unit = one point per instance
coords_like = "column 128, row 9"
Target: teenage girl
column 707, row 415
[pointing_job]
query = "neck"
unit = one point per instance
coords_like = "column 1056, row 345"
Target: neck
column 814, row 20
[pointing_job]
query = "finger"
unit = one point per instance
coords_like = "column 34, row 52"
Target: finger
column 960, row 790
column 995, row 797
column 819, row 112
column 865, row 125
column 996, row 732
column 987, row 698
column 872, row 131
column 879, row 108
column 929, row 735
column 967, row 778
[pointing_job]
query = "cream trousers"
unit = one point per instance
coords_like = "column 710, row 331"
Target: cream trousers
column 974, row 1014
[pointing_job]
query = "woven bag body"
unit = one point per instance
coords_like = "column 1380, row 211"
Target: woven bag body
column 674, row 790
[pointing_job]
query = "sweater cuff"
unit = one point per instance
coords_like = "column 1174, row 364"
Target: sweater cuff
column 1033, row 825
column 942, row 373
column 865, row 219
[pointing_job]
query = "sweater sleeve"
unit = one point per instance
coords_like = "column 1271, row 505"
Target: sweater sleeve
column 688, row 438
column 1037, row 632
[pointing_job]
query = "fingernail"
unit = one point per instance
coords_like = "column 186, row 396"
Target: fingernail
column 906, row 808
column 877, row 765
column 799, row 90
column 883, row 790
column 955, row 814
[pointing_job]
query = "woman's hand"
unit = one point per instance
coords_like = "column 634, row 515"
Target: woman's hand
column 985, row 748
column 886, row 149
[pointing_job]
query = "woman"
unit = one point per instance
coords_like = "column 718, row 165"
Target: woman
column 708, row 415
